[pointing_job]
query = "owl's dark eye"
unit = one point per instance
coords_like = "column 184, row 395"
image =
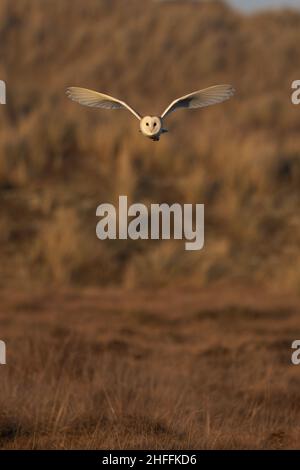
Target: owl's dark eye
column 147, row 123
column 154, row 124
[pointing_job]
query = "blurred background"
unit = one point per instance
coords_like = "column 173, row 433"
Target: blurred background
column 253, row 5
column 59, row 161
column 126, row 344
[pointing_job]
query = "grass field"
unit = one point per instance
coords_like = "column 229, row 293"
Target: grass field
column 140, row 344
column 59, row 160
column 169, row 369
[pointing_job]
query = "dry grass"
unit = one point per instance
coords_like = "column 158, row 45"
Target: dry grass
column 184, row 370
column 161, row 364
column 58, row 161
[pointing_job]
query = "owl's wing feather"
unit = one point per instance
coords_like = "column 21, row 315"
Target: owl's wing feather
column 98, row 100
column 201, row 98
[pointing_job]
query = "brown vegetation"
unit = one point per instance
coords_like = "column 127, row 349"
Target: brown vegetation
column 114, row 370
column 58, row 160
column 149, row 353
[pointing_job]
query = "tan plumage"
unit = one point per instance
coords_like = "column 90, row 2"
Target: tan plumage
column 97, row 100
column 152, row 126
column 201, row 98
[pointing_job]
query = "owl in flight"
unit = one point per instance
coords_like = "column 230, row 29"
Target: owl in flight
column 153, row 126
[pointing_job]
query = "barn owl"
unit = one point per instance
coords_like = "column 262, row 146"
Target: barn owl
column 153, row 126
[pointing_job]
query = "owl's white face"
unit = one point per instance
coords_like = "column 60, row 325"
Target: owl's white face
column 150, row 125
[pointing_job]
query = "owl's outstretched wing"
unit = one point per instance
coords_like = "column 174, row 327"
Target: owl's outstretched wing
column 201, row 98
column 98, row 100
